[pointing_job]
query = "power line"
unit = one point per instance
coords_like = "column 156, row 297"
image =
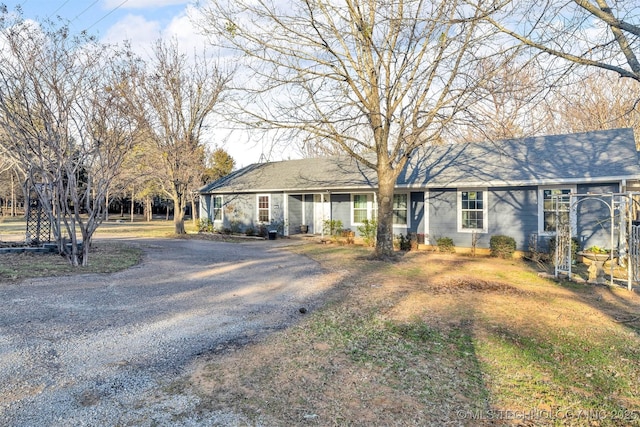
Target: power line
column 88, row 7
column 107, row 14
column 60, row 7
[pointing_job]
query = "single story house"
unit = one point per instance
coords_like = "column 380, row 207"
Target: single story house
column 460, row 191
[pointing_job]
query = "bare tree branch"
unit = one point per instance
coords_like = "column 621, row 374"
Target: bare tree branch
column 569, row 30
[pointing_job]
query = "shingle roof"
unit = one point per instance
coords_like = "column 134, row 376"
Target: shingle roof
column 598, row 156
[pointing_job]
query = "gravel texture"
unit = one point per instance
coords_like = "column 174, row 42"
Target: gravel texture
column 93, row 350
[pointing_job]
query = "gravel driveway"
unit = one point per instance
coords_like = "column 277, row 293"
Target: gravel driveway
column 93, row 350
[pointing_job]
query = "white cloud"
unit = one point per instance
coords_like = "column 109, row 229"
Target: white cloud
column 136, row 29
column 143, row 31
column 185, row 32
column 142, row 4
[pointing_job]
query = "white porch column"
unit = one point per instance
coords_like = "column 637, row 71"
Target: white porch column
column 426, row 218
column 285, row 216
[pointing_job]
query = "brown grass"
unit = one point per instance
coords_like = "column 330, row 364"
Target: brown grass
column 104, row 257
column 439, row 339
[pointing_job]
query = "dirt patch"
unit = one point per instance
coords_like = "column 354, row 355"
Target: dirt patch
column 469, row 284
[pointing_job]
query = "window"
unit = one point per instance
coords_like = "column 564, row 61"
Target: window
column 552, row 198
column 472, row 212
column 360, row 208
column 264, row 212
column 217, row 208
column 400, row 209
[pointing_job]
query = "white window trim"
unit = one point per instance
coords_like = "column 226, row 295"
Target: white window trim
column 258, row 208
column 408, row 224
column 572, row 213
column 213, row 209
column 370, row 207
column 485, row 209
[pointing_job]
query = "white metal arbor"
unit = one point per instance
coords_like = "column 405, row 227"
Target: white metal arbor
column 624, row 232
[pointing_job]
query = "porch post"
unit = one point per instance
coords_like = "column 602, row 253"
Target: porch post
column 304, row 210
column 427, row 240
column 285, row 216
column 322, row 210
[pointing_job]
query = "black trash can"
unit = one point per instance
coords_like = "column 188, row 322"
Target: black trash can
column 273, row 234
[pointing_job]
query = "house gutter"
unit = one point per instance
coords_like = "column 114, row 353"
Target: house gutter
column 536, row 182
column 422, row 186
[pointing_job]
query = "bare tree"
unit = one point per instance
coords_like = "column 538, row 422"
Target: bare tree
column 597, row 33
column 599, row 101
column 65, row 125
column 511, row 104
column 174, row 98
column 377, row 79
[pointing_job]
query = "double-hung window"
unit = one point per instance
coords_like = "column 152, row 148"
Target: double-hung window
column 264, row 210
column 472, row 211
column 553, row 200
column 217, row 208
column 360, row 208
column 363, row 208
column 400, row 209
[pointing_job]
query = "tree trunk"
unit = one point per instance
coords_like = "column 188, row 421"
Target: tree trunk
column 13, row 196
column 132, row 202
column 106, row 206
column 148, row 209
column 384, row 238
column 194, row 217
column 86, row 244
column 178, row 216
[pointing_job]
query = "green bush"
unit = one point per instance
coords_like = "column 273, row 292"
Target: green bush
column 205, row 225
column 250, row 231
column 502, row 246
column 575, row 248
column 445, row 244
column 368, row 231
column 332, row 227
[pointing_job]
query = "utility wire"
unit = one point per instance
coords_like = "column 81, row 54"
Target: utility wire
column 87, row 8
column 56, row 11
column 108, row 13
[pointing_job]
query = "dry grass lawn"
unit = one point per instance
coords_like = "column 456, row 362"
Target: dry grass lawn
column 439, row 339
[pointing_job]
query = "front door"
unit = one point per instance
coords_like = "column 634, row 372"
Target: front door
column 321, row 212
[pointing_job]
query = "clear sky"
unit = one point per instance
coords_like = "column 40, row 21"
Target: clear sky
column 141, row 22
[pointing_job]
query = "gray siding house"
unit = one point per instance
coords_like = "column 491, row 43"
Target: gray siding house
column 457, row 191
